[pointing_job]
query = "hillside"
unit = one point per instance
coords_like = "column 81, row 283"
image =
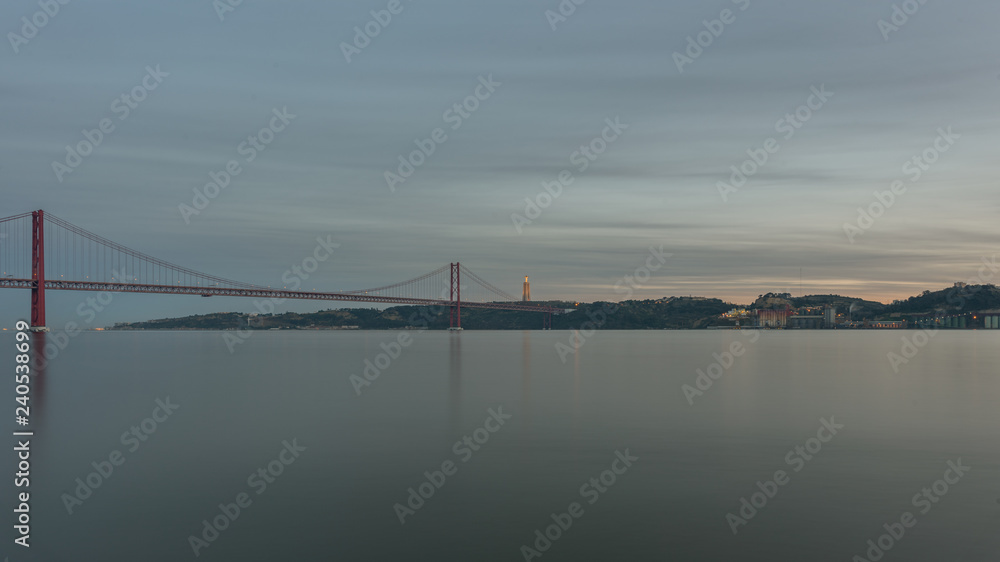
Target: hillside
column 957, row 298
column 670, row 313
column 680, row 313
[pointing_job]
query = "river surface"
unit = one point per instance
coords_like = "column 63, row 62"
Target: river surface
column 604, row 440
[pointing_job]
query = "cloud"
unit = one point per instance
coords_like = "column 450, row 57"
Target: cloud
column 657, row 185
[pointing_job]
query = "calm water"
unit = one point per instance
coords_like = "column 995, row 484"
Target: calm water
column 621, row 392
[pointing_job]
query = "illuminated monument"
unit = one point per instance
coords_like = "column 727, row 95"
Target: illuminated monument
column 526, row 295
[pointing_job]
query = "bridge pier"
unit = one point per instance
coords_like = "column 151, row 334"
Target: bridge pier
column 38, row 271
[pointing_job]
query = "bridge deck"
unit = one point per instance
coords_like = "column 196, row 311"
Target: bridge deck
column 263, row 292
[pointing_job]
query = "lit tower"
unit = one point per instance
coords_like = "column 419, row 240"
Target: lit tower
column 526, row 295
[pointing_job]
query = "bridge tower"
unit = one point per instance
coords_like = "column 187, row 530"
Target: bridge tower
column 38, row 271
column 526, row 291
column 456, row 297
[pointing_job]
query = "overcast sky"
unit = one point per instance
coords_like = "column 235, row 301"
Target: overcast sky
column 688, row 121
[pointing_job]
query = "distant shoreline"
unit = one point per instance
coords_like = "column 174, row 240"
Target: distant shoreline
column 958, row 307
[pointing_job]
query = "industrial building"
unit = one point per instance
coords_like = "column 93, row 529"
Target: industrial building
column 982, row 320
column 805, row 322
column 773, row 318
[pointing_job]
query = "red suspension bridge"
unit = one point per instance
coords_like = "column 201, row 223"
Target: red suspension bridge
column 40, row 251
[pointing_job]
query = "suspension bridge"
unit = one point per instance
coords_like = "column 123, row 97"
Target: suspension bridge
column 42, row 252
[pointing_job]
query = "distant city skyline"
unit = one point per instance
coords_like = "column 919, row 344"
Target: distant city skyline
column 514, row 139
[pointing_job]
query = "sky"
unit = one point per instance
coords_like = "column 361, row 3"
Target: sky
column 536, row 81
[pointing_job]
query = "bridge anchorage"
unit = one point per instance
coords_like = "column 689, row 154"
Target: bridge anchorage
column 40, row 251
